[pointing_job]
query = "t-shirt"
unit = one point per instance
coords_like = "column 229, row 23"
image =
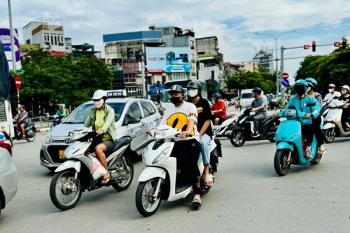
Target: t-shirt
column 99, row 122
column 204, row 115
column 177, row 117
column 22, row 114
column 259, row 102
column 217, row 106
column 346, row 107
column 331, row 96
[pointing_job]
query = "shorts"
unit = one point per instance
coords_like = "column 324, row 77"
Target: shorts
column 109, row 145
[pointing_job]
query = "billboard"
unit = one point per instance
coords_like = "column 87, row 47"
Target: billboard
column 168, row 59
column 5, row 37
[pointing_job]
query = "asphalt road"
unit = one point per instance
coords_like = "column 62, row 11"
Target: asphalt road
column 248, row 196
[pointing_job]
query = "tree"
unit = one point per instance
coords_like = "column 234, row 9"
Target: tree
column 70, row 80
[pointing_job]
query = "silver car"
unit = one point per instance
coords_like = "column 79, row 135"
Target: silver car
column 53, row 147
column 8, row 173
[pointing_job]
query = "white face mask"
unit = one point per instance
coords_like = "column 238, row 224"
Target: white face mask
column 308, row 89
column 330, row 90
column 193, row 92
column 99, row 103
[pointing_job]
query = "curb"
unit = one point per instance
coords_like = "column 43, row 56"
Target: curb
column 43, row 130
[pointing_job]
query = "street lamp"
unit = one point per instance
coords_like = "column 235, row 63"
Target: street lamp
column 276, row 37
column 12, row 38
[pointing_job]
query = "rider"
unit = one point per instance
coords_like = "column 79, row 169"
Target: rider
column 346, row 111
column 183, row 116
column 61, row 113
column 259, row 107
column 22, row 119
column 218, row 109
column 101, row 118
column 194, row 91
column 332, row 93
column 316, row 123
column 305, row 113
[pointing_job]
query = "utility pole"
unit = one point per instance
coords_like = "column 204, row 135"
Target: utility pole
column 12, row 38
column 144, row 93
column 282, row 71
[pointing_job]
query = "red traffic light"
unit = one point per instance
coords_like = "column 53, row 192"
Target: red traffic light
column 306, row 46
column 313, row 46
column 336, row 44
column 343, row 45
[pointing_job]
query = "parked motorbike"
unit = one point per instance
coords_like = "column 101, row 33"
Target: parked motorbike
column 29, row 131
column 291, row 146
column 242, row 130
column 226, row 126
column 333, row 126
column 164, row 177
column 79, row 172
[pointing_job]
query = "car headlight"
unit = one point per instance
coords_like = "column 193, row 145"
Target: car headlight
column 161, row 155
column 48, row 138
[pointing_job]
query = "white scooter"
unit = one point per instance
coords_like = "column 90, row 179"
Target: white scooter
column 333, row 123
column 163, row 178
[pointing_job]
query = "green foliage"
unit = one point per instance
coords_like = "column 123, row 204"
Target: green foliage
column 332, row 68
column 69, row 80
column 247, row 79
column 211, row 86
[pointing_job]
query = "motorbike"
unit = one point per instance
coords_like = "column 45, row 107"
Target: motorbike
column 79, row 173
column 29, row 131
column 226, row 126
column 55, row 121
column 242, row 130
column 164, row 177
column 273, row 105
column 333, row 126
column 291, row 146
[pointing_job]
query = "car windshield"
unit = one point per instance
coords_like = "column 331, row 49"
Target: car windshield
column 79, row 115
column 247, row 95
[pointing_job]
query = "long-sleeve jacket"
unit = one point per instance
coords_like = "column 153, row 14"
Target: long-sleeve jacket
column 302, row 109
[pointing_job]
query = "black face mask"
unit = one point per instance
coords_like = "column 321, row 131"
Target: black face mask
column 300, row 90
column 175, row 100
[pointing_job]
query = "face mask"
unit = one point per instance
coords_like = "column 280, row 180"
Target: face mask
column 175, row 100
column 330, row 90
column 343, row 92
column 193, row 93
column 300, row 90
column 308, row 89
column 99, row 103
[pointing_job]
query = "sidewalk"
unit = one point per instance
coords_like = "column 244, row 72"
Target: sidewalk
column 43, row 126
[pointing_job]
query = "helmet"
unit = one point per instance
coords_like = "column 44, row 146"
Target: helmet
column 331, row 85
column 346, row 87
column 300, row 82
column 176, row 88
column 311, row 80
column 217, row 95
column 300, row 86
column 194, row 84
column 99, row 94
column 21, row 106
column 257, row 90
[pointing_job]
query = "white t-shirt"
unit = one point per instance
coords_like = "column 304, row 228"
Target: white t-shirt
column 330, row 96
column 177, row 117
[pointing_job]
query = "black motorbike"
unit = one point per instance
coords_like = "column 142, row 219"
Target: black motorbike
column 242, row 130
column 29, row 131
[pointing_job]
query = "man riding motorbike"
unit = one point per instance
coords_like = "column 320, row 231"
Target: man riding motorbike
column 259, row 107
column 22, row 119
column 218, row 109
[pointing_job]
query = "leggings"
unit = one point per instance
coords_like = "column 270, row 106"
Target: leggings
column 307, row 131
column 316, row 124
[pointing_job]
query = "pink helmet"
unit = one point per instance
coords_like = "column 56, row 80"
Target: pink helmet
column 331, row 85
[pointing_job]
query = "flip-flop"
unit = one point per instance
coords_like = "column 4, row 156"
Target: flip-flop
column 322, row 151
column 196, row 203
column 208, row 179
column 105, row 180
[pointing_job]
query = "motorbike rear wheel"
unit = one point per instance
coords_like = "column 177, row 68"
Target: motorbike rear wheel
column 146, row 204
column 30, row 136
column 65, row 191
column 281, row 163
column 237, row 138
column 214, row 161
column 328, row 135
column 125, row 183
column 317, row 158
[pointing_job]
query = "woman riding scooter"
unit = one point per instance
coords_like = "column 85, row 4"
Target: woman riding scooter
column 345, row 118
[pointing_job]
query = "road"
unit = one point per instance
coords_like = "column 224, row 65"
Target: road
column 248, row 196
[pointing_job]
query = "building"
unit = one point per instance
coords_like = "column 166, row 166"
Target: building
column 85, row 50
column 210, row 60
column 265, row 58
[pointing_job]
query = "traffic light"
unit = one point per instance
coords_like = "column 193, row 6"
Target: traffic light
column 306, row 46
column 313, row 46
column 343, row 45
column 336, row 44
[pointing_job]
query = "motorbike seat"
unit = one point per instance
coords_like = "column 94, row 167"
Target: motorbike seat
column 268, row 118
column 119, row 143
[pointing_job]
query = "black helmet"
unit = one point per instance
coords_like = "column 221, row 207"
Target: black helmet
column 257, row 90
column 176, row 88
column 195, row 85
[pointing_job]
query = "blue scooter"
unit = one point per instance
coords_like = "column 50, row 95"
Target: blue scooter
column 291, row 146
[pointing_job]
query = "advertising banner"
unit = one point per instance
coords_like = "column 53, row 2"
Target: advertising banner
column 168, row 59
column 5, row 37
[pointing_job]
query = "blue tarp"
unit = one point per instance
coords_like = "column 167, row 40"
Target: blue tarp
column 5, row 81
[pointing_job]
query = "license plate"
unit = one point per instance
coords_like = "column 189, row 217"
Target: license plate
column 61, row 154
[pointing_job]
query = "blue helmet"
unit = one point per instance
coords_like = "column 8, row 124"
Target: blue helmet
column 311, row 81
column 217, row 95
column 300, row 87
column 300, row 82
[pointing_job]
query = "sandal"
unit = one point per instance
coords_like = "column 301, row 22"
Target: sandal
column 208, row 180
column 105, row 180
column 322, row 150
column 196, row 203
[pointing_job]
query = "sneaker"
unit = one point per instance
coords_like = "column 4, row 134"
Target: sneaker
column 308, row 154
column 254, row 135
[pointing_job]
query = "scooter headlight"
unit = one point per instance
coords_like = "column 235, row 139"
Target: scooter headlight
column 161, row 155
column 48, row 138
column 159, row 134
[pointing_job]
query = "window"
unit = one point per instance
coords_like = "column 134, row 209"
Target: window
column 166, row 31
column 134, row 111
column 147, row 108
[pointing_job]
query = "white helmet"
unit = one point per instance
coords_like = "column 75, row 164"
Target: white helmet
column 99, row 94
column 346, row 87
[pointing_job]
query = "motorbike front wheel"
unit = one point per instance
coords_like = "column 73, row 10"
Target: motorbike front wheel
column 329, row 135
column 281, row 163
column 146, row 203
column 237, row 138
column 31, row 134
column 126, row 181
column 65, row 190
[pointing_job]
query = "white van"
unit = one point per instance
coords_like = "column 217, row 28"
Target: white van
column 245, row 97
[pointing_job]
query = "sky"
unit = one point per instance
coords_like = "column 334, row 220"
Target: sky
column 234, row 22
